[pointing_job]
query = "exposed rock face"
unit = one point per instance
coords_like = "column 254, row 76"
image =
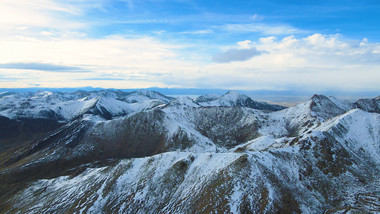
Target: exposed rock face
column 325, row 108
column 370, row 105
column 186, row 156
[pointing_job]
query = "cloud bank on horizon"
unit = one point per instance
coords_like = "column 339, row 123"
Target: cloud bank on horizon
column 275, row 45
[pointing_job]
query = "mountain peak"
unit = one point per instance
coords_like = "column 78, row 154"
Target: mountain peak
column 184, row 100
column 319, row 98
column 232, row 94
column 234, row 98
column 207, row 98
column 325, row 107
column 142, row 95
column 144, row 92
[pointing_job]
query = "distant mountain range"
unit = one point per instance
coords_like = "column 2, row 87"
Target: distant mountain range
column 114, row 151
column 202, row 91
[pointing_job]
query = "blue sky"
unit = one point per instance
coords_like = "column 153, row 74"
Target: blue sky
column 275, row 45
column 351, row 18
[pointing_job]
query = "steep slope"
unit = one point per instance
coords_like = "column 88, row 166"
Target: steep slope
column 233, row 98
column 305, row 117
column 140, row 134
column 317, row 173
column 32, row 118
column 15, row 132
column 224, row 127
column 370, row 105
column 325, row 108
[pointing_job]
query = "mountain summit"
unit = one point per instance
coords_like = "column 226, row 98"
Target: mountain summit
column 234, row 98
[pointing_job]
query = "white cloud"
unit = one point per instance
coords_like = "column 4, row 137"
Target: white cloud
column 269, row 39
column 244, row 44
column 315, row 62
column 115, row 55
column 37, row 13
column 39, row 18
column 45, row 32
column 266, row 29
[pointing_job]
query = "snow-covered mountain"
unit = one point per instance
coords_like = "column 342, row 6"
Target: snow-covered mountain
column 234, row 98
column 67, row 106
column 155, row 154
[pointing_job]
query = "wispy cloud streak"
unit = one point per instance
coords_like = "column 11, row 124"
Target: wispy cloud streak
column 266, row 29
column 43, row 67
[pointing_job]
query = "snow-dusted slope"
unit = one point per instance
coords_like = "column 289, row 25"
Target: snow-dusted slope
column 184, row 101
column 183, row 156
column 68, row 106
column 44, row 105
column 358, row 130
column 316, row 173
column 305, row 117
column 144, row 95
column 233, row 98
